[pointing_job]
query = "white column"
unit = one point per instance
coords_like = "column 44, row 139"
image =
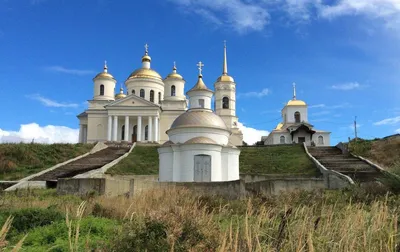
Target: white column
column 126, row 133
column 150, row 129
column 109, row 129
column 156, row 129
column 139, row 129
column 115, row 128
column 80, row 140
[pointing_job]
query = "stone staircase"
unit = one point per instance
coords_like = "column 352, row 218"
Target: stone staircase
column 333, row 159
column 85, row 164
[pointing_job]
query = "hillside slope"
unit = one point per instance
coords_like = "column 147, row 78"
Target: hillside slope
column 384, row 151
column 288, row 160
column 20, row 160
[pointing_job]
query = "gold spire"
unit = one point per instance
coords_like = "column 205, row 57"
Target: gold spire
column 174, row 74
column 104, row 74
column 200, row 83
column 294, row 101
column 146, row 57
column 225, row 76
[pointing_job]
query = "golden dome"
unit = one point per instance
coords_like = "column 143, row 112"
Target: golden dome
column 200, row 85
column 296, row 103
column 104, row 74
column 200, row 140
column 121, row 94
column 199, row 118
column 145, row 73
column 174, row 74
column 146, row 58
column 226, row 78
column 279, row 126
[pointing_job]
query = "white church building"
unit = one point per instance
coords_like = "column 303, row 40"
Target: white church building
column 198, row 149
column 149, row 106
column 295, row 127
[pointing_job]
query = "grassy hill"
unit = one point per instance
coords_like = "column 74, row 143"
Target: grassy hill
column 21, row 160
column 288, row 159
column 384, row 151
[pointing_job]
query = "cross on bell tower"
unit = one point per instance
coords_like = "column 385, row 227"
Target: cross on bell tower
column 200, row 67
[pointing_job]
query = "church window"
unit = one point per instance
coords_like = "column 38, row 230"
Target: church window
column 320, row 140
column 173, row 92
column 159, row 97
column 101, row 89
column 201, row 103
column 225, row 103
column 297, row 117
column 146, row 132
column 151, row 95
column 282, row 140
column 142, row 93
column 133, row 91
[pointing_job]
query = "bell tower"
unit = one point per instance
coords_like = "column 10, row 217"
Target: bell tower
column 225, row 102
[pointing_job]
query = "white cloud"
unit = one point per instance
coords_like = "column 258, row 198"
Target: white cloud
column 46, row 134
column 251, row 135
column 260, row 94
column 397, row 131
column 240, row 15
column 347, row 86
column 60, row 69
column 50, row 103
column 320, row 113
column 388, row 121
column 317, row 106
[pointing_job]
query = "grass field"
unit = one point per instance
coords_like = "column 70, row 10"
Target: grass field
column 175, row 220
column 21, row 160
column 286, row 159
column 143, row 160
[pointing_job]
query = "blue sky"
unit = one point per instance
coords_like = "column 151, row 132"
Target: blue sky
column 344, row 56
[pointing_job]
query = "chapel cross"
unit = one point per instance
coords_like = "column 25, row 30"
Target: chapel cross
column 146, row 46
column 200, row 65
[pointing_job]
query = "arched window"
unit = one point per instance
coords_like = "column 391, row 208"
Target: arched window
column 142, row 93
column 173, row 93
column 320, row 140
column 159, row 97
column 133, row 91
column 151, row 95
column 225, row 103
column 282, row 140
column 201, row 103
column 101, row 89
column 146, row 132
column 297, row 118
column 123, row 133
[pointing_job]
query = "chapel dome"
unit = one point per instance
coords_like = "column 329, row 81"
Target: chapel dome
column 199, row 118
column 200, row 140
column 121, row 94
column 105, row 74
column 296, row 103
column 174, row 74
column 145, row 73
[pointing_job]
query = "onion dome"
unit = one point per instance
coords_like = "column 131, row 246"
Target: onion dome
column 294, row 101
column 121, row 94
column 105, row 74
column 199, row 118
column 145, row 71
column 174, row 74
column 225, row 77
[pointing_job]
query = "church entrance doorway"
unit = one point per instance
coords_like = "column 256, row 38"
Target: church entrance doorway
column 301, row 139
column 134, row 134
column 202, row 168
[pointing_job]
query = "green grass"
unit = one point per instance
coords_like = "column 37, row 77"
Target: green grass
column 287, row 159
column 20, row 160
column 143, row 160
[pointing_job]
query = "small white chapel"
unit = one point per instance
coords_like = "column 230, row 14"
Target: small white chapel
column 145, row 110
column 198, row 149
column 295, row 127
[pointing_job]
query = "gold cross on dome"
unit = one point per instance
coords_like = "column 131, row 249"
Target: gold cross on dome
column 200, row 65
column 146, row 46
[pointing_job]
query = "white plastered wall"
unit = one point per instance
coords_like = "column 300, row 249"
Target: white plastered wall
column 290, row 110
column 148, row 85
column 97, row 127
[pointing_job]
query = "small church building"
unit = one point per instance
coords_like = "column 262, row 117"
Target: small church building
column 198, row 149
column 295, row 127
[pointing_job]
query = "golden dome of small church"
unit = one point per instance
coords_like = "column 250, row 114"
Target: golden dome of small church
column 146, row 107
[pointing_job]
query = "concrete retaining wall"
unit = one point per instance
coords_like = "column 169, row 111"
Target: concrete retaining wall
column 278, row 186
